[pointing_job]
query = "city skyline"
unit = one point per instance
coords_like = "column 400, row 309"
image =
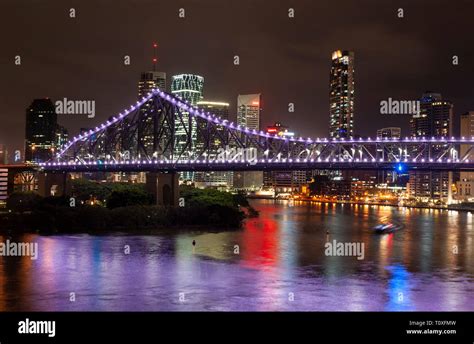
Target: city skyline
column 341, row 95
column 252, row 75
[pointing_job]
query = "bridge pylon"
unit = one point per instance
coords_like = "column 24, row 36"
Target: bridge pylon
column 164, row 187
column 54, row 184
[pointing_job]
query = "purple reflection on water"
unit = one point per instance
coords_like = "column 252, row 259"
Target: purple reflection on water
column 276, row 262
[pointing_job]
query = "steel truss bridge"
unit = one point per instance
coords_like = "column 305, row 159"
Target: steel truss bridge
column 162, row 133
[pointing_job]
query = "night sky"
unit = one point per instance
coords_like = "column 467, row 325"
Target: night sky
column 287, row 60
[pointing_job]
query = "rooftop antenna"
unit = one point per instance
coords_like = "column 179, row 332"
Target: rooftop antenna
column 155, row 55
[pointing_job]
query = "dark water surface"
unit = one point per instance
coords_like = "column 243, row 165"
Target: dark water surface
column 276, row 262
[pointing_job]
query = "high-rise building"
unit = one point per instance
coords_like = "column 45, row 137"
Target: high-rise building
column 92, row 136
column 248, row 180
column 222, row 179
column 467, row 131
column 220, row 109
column 284, row 181
column 3, row 154
column 389, row 132
column 40, row 133
column 149, row 81
column 249, row 107
column 62, row 136
column 341, row 94
column 434, row 120
column 435, row 117
column 188, row 87
column 465, row 185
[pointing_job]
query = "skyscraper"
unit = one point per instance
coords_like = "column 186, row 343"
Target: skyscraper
column 465, row 185
column 283, row 181
column 188, row 87
column 150, row 80
column 435, row 117
column 218, row 178
column 41, row 128
column 467, row 131
column 389, row 132
column 220, row 109
column 62, row 136
column 248, row 110
column 341, row 94
column 434, row 120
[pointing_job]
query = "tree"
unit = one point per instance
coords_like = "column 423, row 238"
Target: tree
column 23, row 201
column 128, row 196
column 83, row 190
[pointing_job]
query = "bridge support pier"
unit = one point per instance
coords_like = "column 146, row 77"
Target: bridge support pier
column 164, row 187
column 53, row 184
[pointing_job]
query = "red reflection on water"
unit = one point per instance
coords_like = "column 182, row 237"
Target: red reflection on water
column 260, row 243
column 390, row 241
column 385, row 248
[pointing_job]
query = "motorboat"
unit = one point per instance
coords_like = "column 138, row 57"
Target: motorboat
column 385, row 228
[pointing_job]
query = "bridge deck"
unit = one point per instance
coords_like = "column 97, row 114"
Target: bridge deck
column 148, row 166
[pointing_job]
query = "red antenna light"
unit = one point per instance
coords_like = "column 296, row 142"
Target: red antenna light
column 155, row 55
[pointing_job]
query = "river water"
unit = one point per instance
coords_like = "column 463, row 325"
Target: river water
column 277, row 261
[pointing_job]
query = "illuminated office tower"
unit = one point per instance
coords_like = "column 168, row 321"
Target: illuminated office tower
column 283, row 181
column 221, row 110
column 40, row 133
column 249, row 109
column 62, row 136
column 389, row 132
column 341, row 95
column 149, row 81
column 465, row 185
column 467, row 131
column 434, row 120
column 219, row 179
column 188, row 87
